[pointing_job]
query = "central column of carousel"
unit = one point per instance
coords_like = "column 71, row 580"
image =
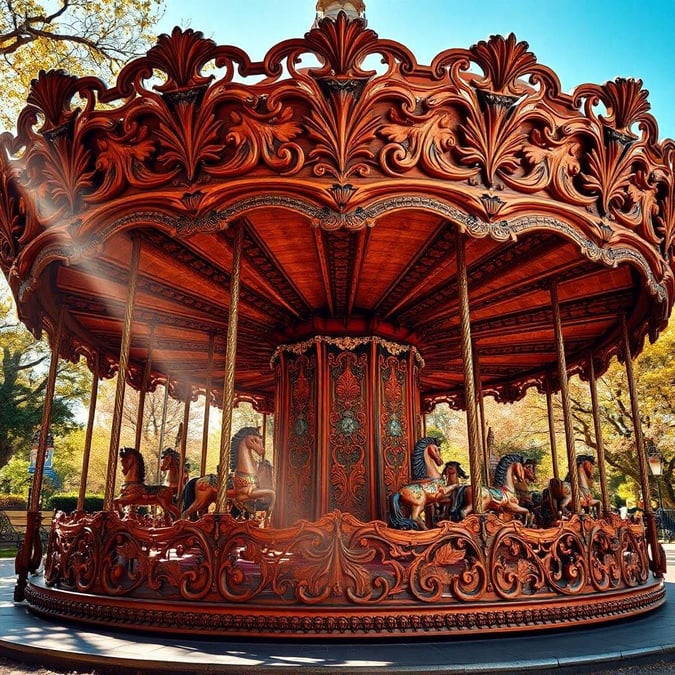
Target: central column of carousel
column 348, row 413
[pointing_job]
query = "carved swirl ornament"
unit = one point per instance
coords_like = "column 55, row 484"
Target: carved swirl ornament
column 361, row 573
column 482, row 134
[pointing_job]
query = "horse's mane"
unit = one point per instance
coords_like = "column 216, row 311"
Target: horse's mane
column 503, row 467
column 419, row 468
column 141, row 461
column 236, row 442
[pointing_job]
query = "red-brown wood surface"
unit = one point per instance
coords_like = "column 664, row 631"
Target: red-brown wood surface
column 349, row 183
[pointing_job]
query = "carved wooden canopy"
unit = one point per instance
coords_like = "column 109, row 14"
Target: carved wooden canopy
column 349, row 166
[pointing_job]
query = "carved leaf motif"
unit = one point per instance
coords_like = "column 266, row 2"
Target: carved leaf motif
column 448, row 555
column 188, row 138
column 422, row 140
column 348, row 386
column 254, row 136
column 503, row 61
column 120, row 161
column 68, row 176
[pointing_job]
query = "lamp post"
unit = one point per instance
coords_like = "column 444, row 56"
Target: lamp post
column 655, row 459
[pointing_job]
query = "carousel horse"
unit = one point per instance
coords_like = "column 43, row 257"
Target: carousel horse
column 134, row 491
column 250, row 488
column 171, row 466
column 500, row 497
column 451, row 474
column 526, row 497
column 429, row 487
column 557, row 497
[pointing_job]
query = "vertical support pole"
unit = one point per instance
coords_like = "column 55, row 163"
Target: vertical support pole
column 469, row 378
column 145, row 383
column 565, row 398
column 162, row 430
column 30, row 551
column 659, row 563
column 482, row 434
column 89, row 433
column 183, row 440
column 551, row 427
column 228, row 384
column 207, row 406
column 602, row 469
column 116, row 423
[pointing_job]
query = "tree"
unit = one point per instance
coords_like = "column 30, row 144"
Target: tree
column 24, row 369
column 92, row 36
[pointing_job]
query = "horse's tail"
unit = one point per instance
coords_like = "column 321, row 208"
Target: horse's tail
column 396, row 517
column 188, row 494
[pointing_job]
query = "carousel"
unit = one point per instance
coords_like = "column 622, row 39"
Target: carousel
column 345, row 238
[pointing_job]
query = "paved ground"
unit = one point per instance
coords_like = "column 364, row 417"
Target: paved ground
column 644, row 644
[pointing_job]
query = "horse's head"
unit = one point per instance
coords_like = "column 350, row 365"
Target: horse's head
column 247, row 438
column 530, row 470
column 434, row 451
column 132, row 463
column 170, row 458
column 586, row 463
column 509, row 469
column 452, row 472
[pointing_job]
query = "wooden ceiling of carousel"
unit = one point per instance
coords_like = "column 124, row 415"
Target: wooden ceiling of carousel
column 297, row 280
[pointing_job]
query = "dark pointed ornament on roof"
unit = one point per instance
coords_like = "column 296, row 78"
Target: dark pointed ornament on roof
column 354, row 9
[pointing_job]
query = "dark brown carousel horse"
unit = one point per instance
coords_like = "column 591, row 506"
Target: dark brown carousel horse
column 134, row 491
column 452, row 474
column 429, row 487
column 557, row 497
column 501, row 497
column 250, row 488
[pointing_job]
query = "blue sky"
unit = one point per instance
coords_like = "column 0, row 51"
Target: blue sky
column 582, row 41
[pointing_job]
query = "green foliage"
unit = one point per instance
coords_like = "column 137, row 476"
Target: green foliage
column 68, row 502
column 79, row 36
column 13, row 503
column 24, row 366
column 14, row 477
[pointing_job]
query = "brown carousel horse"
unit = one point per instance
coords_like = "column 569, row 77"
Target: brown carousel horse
column 429, row 487
column 250, row 488
column 557, row 497
column 134, row 491
column 500, row 497
column 452, row 474
column 171, row 467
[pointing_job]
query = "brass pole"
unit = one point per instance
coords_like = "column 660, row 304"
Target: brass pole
column 162, row 430
column 659, row 566
column 228, row 384
column 469, row 379
column 482, row 435
column 565, row 399
column 207, row 405
column 551, row 426
column 140, row 413
column 183, row 441
column 30, row 550
column 116, row 423
column 89, row 434
column 602, row 469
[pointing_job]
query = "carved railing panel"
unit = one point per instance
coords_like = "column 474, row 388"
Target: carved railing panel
column 342, row 561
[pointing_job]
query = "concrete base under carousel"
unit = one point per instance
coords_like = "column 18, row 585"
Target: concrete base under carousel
column 338, row 577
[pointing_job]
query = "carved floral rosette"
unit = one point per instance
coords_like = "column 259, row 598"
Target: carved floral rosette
column 348, row 576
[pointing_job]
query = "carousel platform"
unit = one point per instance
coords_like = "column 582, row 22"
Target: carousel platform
column 646, row 639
